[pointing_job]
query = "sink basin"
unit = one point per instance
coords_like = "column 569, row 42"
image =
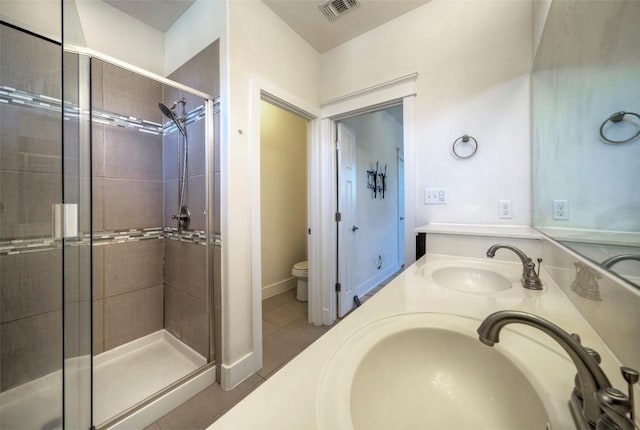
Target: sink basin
column 428, row 378
column 429, row 371
column 471, row 279
column 480, row 277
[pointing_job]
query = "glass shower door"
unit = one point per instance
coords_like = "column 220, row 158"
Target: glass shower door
column 45, row 253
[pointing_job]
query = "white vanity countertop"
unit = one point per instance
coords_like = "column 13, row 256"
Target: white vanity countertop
column 507, row 231
column 289, row 399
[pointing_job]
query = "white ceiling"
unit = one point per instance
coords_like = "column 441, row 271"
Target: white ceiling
column 306, row 19
column 303, row 16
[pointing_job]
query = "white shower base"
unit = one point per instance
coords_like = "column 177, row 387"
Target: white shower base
column 128, row 374
column 122, row 377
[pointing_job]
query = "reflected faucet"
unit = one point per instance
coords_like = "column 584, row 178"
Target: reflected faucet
column 618, row 258
column 530, row 279
column 593, row 403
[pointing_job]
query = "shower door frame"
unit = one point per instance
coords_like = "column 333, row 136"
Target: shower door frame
column 206, row 374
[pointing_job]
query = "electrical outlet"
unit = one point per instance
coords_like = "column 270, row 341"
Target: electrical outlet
column 504, row 209
column 561, row 210
column 435, row 196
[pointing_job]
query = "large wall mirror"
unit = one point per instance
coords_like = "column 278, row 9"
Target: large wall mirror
column 585, row 104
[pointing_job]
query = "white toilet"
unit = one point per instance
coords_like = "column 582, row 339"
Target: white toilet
column 301, row 271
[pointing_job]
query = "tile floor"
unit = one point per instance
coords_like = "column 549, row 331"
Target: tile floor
column 285, row 333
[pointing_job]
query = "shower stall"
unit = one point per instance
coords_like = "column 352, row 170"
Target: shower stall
column 109, row 229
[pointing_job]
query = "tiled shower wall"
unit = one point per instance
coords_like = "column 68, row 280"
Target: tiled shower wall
column 186, row 292
column 185, row 282
column 30, row 182
column 127, row 194
column 158, row 279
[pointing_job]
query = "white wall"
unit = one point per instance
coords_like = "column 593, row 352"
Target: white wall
column 114, row 33
column 378, row 136
column 473, row 60
column 203, row 23
column 261, row 45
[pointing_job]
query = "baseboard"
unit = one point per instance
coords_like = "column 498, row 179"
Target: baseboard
column 233, row 374
column 279, row 287
column 376, row 280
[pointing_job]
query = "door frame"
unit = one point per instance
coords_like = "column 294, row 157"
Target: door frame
column 264, row 90
column 400, row 90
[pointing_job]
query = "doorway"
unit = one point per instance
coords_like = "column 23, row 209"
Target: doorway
column 283, row 198
column 370, row 201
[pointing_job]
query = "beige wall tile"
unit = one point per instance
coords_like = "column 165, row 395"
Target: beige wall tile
column 132, row 315
column 132, row 266
column 30, row 284
column 131, row 94
column 132, row 204
column 194, row 270
column 30, row 348
column 39, row 68
column 131, row 154
column 31, row 140
column 27, row 199
column 194, row 323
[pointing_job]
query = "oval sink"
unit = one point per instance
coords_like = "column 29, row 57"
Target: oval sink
column 470, row 279
column 428, row 378
column 430, row 371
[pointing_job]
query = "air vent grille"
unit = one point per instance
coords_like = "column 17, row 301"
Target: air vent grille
column 336, row 8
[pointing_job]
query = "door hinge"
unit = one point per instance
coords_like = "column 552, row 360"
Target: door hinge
column 338, row 287
column 338, row 217
column 338, row 145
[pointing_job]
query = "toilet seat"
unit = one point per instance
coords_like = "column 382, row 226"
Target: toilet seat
column 301, row 269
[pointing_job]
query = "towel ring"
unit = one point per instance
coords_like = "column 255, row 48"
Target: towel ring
column 464, row 138
column 615, row 118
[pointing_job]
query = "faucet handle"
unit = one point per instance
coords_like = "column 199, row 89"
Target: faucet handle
column 615, row 405
column 593, row 354
column 631, row 376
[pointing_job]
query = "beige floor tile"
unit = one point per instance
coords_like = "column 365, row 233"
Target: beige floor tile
column 286, row 313
column 203, row 409
column 280, row 299
column 304, row 331
column 278, row 349
column 268, row 328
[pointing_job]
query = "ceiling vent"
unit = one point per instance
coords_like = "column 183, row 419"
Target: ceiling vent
column 336, row 8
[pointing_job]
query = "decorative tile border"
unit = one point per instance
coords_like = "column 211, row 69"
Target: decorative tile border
column 14, row 96
column 23, row 246
column 10, row 95
column 132, row 235
column 197, row 237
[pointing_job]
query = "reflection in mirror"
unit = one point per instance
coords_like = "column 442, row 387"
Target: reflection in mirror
column 586, row 74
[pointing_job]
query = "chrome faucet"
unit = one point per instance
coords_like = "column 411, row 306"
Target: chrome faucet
column 618, row 258
column 594, row 403
column 530, row 279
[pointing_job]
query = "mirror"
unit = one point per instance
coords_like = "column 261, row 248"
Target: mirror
column 585, row 188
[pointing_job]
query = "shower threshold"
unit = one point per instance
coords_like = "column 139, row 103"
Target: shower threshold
column 130, row 373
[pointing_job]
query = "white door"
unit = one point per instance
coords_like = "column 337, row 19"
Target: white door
column 347, row 228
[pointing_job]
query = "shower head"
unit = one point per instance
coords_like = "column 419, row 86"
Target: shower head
column 170, row 112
